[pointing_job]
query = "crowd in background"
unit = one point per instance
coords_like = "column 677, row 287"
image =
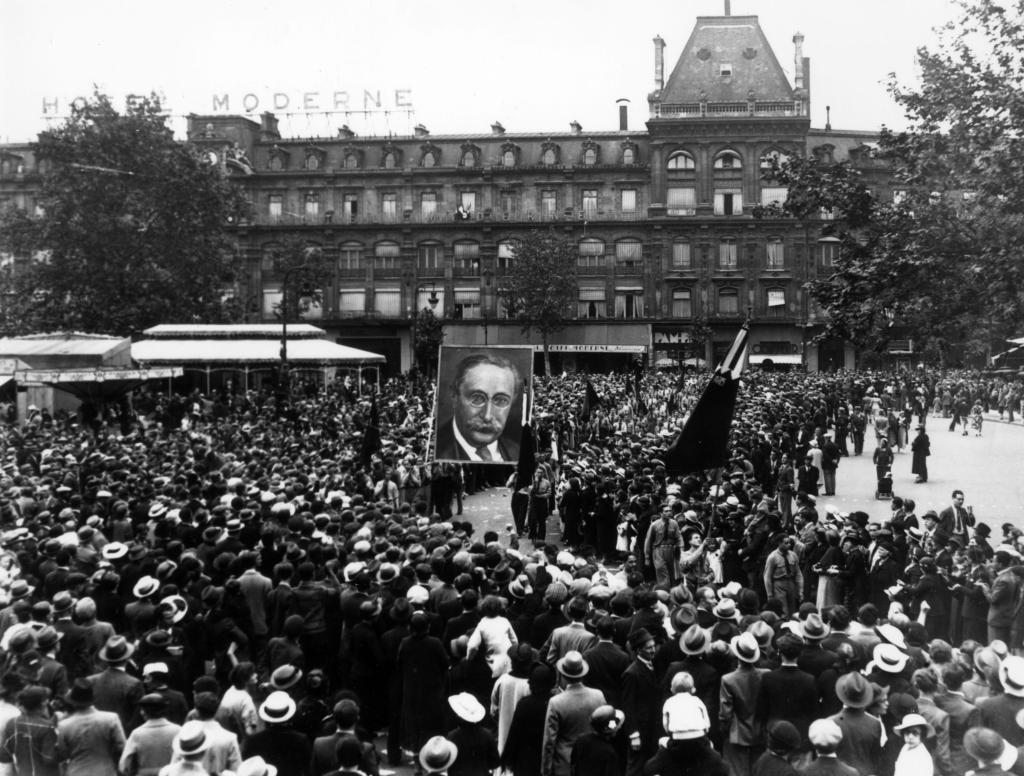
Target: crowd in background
column 220, row 583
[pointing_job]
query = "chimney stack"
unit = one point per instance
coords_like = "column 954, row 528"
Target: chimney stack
column 798, row 55
column 497, row 128
column 575, row 127
column 345, row 132
column 659, row 63
column 728, row 9
column 420, row 131
column 623, row 114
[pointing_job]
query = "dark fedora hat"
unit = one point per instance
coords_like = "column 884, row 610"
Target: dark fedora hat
column 80, row 695
column 117, row 650
column 854, row 690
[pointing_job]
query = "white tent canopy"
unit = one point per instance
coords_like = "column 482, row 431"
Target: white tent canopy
column 247, row 351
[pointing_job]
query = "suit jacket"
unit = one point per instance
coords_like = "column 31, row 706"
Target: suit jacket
column 90, row 742
column 607, row 661
column 116, row 691
column 738, row 706
column 829, row 766
column 449, row 449
column 807, row 479
column 641, row 703
column 787, row 693
column 566, row 639
column 947, row 521
column 999, row 712
column 567, row 720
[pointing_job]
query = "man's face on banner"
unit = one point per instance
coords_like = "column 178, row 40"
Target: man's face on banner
column 482, row 403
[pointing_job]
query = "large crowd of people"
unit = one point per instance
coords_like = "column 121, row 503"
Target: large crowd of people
column 213, row 584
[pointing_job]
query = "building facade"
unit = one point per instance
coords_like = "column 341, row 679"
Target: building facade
column 671, row 256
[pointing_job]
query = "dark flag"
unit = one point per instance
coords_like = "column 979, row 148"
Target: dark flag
column 703, row 442
column 527, row 459
column 371, row 435
column 591, row 401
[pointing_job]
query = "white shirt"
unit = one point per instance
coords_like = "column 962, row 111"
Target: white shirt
column 470, row 450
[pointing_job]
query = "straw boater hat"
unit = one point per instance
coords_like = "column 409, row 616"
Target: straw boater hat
column 191, row 739
column 889, row 658
column 745, row 648
column 467, row 707
column 256, row 766
column 114, row 551
column 285, row 676
column 438, row 755
column 277, row 708
column 146, row 587
column 1011, row 676
column 573, row 665
column 915, row 720
column 694, row 641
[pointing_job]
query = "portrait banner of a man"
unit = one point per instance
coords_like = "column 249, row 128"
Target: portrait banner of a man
column 482, row 396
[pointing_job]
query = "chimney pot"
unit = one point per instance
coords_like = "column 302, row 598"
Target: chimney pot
column 420, row 130
column 659, row 63
column 497, row 128
column 575, row 127
column 623, row 114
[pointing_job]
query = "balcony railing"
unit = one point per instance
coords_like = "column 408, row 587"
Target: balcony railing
column 665, row 110
column 568, row 215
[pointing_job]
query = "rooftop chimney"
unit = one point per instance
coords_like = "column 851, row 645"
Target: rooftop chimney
column 828, row 118
column 623, row 113
column 268, row 126
column 497, row 128
column 420, row 131
column 727, row 8
column 659, row 63
column 344, row 131
column 575, row 127
column 798, row 55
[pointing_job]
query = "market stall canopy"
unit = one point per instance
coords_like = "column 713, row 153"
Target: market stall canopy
column 781, row 358
column 97, row 385
column 60, row 350
column 243, row 344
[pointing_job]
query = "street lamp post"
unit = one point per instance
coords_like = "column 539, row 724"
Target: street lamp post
column 432, row 300
column 284, row 377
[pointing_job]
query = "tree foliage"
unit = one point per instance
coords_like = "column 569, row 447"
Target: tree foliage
column 429, row 336
column 540, row 288
column 946, row 258
column 131, row 231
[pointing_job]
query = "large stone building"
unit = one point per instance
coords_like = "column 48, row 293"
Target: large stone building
column 669, row 248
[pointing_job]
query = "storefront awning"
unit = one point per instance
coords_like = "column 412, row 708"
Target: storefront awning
column 782, row 358
column 247, row 351
column 97, row 385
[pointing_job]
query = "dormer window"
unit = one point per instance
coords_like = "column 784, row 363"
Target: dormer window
column 468, row 158
column 389, row 161
column 428, row 159
column 548, row 157
column 590, row 157
column 508, row 158
column 628, row 156
column 351, row 162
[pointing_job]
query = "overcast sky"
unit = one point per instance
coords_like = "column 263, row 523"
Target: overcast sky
column 533, row 65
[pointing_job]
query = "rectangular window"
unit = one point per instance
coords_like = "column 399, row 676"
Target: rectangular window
column 589, row 202
column 389, row 205
column 506, row 253
column 430, row 256
column 591, row 303
column 682, row 200
column 387, row 302
column 728, row 202
column 548, row 202
column 776, row 255
column 728, row 303
column 467, row 257
column 827, row 214
column 428, row 203
column 275, row 206
column 629, row 303
column 829, row 252
column 681, row 255
column 591, row 253
column 628, row 200
column 682, row 303
column 352, row 302
column 467, row 304
column 468, row 201
column 629, row 253
column 387, row 255
column 776, row 302
column 350, row 206
column 774, row 195
column 312, row 205
column 727, row 254
column 350, row 257
column 271, row 301
column 509, row 204
column 423, row 300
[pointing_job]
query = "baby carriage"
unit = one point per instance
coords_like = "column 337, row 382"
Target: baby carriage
column 883, row 490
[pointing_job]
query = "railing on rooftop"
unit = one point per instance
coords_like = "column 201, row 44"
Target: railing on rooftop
column 666, row 110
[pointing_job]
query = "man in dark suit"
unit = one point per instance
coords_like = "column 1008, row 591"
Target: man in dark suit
column 608, row 661
column 641, row 702
column 114, row 689
column 787, row 693
column 954, row 520
column 483, row 393
column 807, row 477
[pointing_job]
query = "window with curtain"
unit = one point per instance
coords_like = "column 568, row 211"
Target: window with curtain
column 776, row 254
column 591, row 303
column 389, row 205
column 681, row 257
column 350, row 205
column 467, row 304
column 628, row 156
column 682, row 200
column 774, row 195
column 508, row 158
column 312, row 203
column 428, row 159
column 728, row 202
column 728, row 301
column 548, row 202
column 628, row 200
column 275, row 205
column 506, row 253
column 469, row 159
column 591, row 253
column 271, row 299
column 467, row 256
column 386, row 255
column 430, row 255
column 727, row 254
column 590, row 156
column 629, row 303
column 829, row 252
column 468, row 200
column 629, row 253
column 351, row 302
column 548, row 157
column 428, row 203
column 389, row 161
column 589, row 202
column 682, row 303
column 350, row 255
column 387, row 302
column 776, row 299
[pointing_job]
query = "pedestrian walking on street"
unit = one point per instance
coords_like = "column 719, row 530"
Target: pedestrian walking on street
column 921, row 448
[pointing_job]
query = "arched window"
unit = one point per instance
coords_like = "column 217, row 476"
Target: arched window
column 276, row 163
column 351, row 162
column 312, row 162
column 428, row 159
column 548, row 157
column 629, row 252
column 350, row 256
column 681, row 160
column 469, row 158
column 728, row 160
column 389, row 161
column 508, row 158
column 591, row 253
column 430, row 256
column 590, row 156
column 728, row 301
column 628, row 156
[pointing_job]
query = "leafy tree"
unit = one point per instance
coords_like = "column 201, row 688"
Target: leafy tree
column 429, row 336
column 540, row 287
column 132, row 231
